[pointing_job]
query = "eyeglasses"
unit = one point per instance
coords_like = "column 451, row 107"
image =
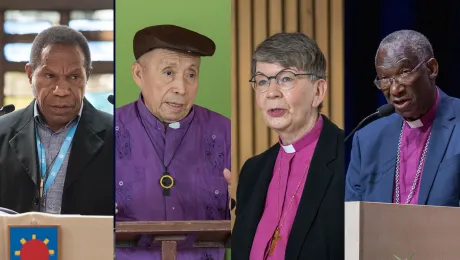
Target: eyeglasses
column 286, row 80
column 404, row 78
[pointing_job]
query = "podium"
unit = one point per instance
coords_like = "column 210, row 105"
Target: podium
column 381, row 231
column 65, row 237
column 212, row 233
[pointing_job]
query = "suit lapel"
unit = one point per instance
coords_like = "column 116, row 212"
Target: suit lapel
column 441, row 133
column 388, row 153
column 255, row 207
column 23, row 143
column 85, row 145
column 318, row 179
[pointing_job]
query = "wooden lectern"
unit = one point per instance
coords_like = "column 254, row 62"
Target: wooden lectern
column 169, row 233
column 391, row 231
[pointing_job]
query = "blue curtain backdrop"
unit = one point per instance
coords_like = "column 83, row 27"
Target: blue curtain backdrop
column 368, row 22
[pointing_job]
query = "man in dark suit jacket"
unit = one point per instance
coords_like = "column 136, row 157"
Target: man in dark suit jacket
column 290, row 199
column 56, row 155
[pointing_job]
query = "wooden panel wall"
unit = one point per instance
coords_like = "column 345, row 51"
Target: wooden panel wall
column 255, row 20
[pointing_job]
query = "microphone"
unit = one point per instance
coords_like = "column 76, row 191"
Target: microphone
column 110, row 99
column 6, row 211
column 385, row 110
column 382, row 111
column 7, row 109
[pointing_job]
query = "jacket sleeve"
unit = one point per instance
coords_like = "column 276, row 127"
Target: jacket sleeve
column 353, row 186
column 240, row 190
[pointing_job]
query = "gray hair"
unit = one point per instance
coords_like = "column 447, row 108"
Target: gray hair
column 59, row 34
column 292, row 50
column 413, row 40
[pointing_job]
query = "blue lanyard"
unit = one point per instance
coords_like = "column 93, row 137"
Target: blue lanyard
column 57, row 164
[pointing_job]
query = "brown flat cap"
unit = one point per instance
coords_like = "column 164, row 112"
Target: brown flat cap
column 173, row 38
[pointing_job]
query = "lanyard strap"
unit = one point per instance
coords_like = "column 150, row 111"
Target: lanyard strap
column 49, row 180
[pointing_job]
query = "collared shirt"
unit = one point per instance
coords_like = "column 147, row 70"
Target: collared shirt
column 284, row 194
column 197, row 149
column 52, row 142
column 415, row 135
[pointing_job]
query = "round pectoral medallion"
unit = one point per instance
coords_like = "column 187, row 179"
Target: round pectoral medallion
column 166, row 181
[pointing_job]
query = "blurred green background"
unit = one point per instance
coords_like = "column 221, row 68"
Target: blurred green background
column 208, row 17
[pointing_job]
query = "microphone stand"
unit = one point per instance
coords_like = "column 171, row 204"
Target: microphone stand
column 360, row 124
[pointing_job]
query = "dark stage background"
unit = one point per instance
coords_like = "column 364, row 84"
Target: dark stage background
column 367, row 22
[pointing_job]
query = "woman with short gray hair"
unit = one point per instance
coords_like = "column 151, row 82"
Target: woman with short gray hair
column 290, row 199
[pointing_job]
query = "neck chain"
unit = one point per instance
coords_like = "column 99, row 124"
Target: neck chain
column 166, row 181
column 292, row 198
column 277, row 236
column 417, row 175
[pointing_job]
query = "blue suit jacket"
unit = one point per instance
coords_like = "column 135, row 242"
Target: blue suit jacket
column 371, row 171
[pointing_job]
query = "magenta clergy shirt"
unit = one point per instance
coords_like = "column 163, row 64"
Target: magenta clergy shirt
column 289, row 175
column 414, row 138
column 196, row 163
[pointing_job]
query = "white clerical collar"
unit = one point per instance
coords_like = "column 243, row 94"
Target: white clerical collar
column 175, row 125
column 288, row 148
column 415, row 124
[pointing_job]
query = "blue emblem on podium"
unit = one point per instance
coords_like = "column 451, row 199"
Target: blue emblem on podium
column 33, row 242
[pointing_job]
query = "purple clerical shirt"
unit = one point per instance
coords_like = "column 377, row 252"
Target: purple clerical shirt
column 289, row 176
column 197, row 149
column 414, row 138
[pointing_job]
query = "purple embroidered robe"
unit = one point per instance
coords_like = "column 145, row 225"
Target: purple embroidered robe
column 196, row 163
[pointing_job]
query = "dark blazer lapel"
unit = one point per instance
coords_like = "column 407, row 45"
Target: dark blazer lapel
column 23, row 143
column 319, row 176
column 441, row 133
column 255, row 207
column 85, row 145
column 387, row 158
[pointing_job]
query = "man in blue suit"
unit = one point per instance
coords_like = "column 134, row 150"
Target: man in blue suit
column 412, row 156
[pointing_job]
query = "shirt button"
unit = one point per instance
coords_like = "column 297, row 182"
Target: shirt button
column 216, row 192
column 173, row 208
column 120, row 183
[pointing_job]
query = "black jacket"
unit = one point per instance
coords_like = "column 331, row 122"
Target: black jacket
column 318, row 229
column 89, row 183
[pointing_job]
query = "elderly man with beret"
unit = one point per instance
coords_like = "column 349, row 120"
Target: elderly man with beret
column 170, row 152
